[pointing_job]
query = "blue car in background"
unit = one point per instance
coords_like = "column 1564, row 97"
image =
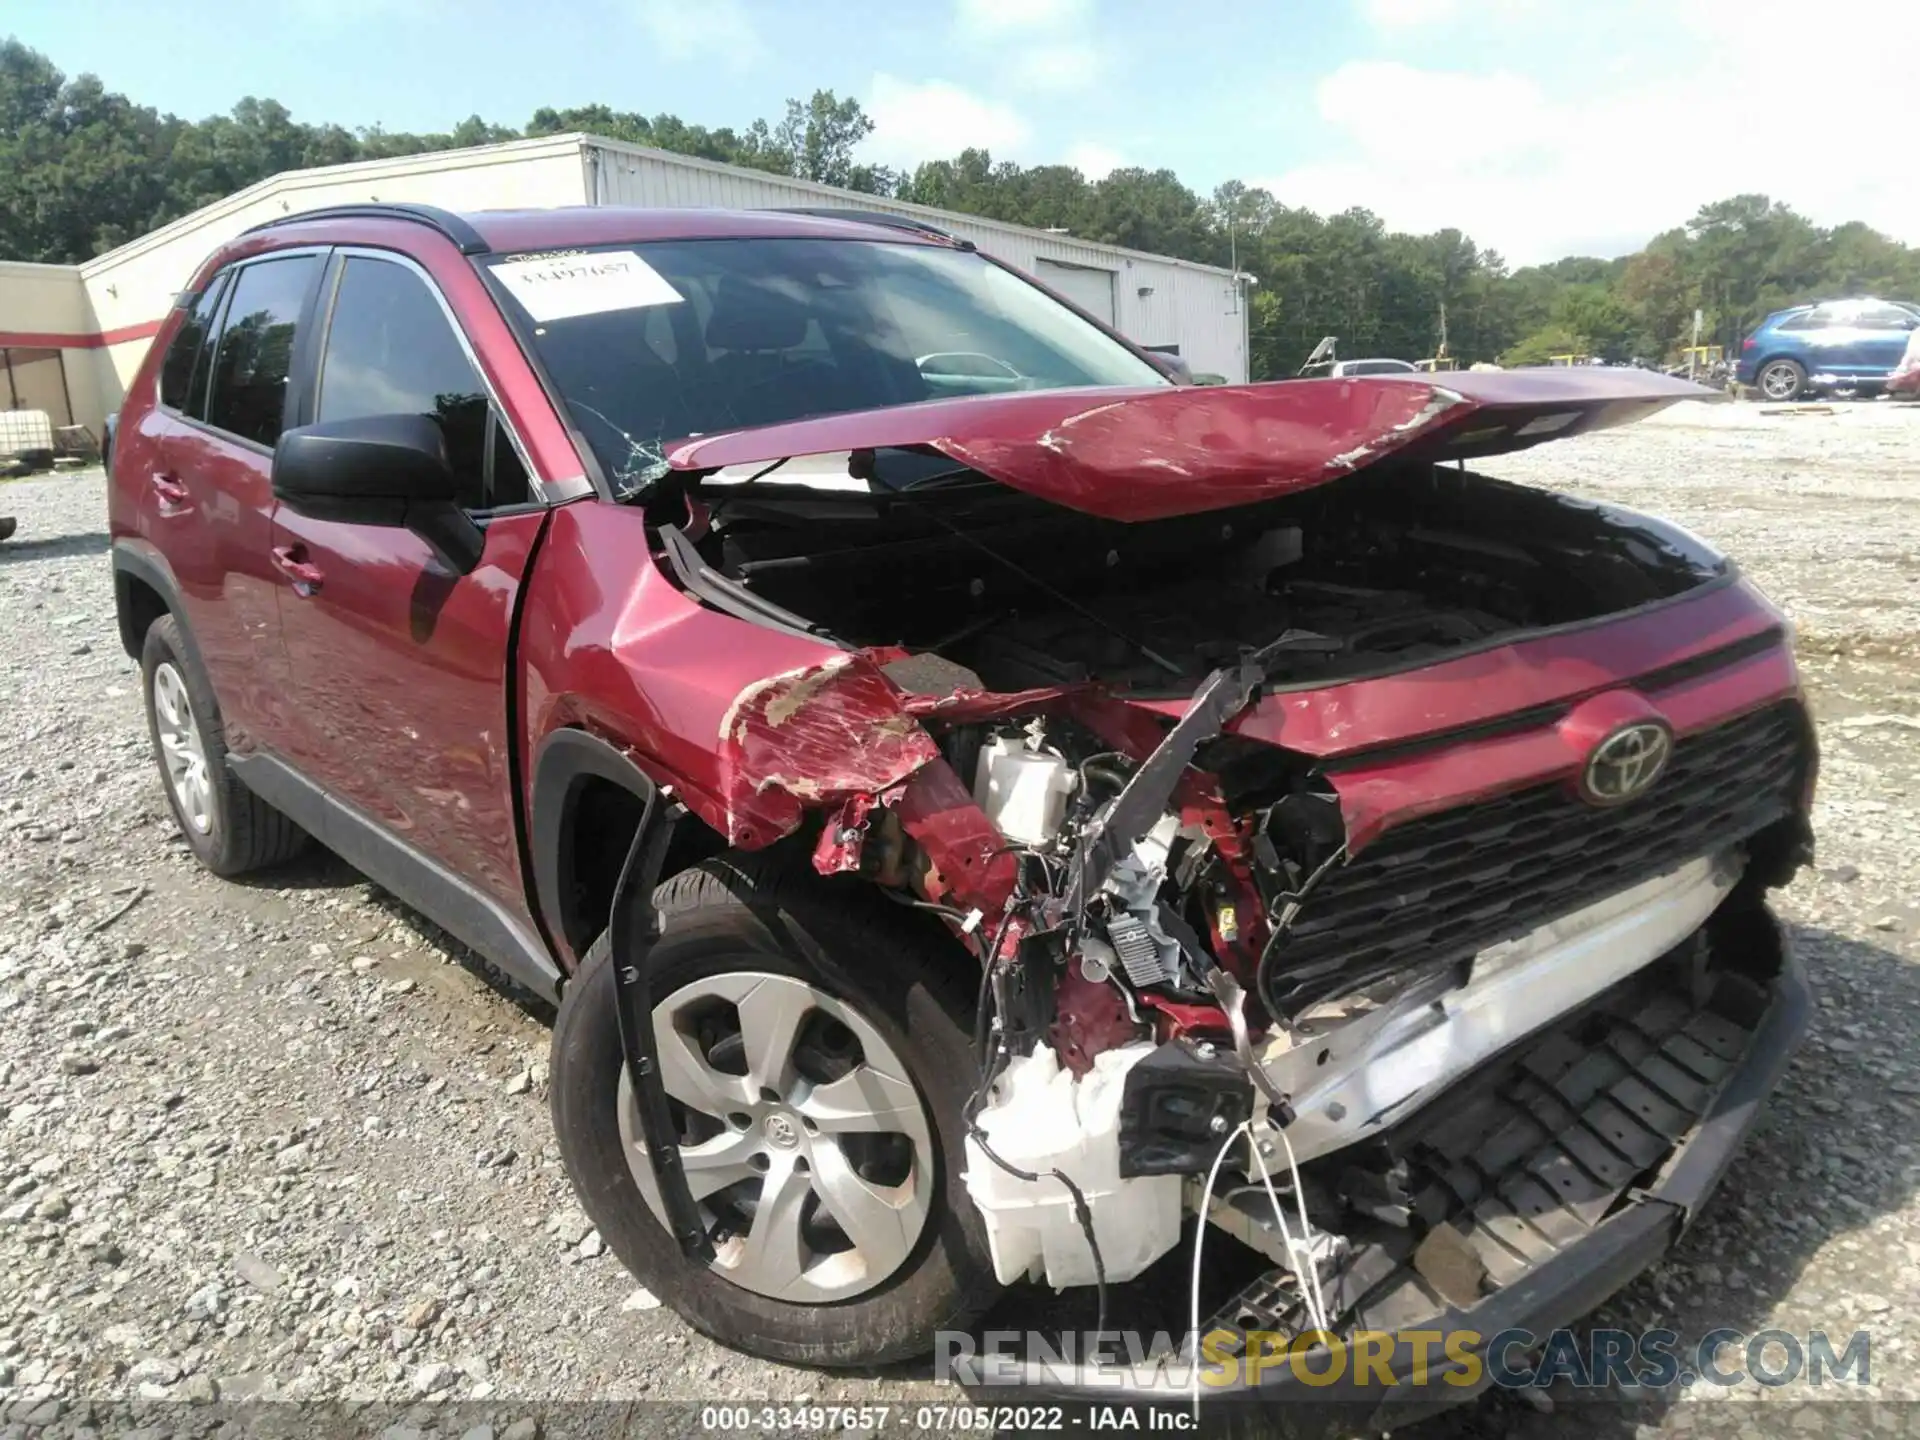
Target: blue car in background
column 1834, row 345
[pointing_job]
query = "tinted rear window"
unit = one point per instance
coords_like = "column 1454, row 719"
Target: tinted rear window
column 183, row 354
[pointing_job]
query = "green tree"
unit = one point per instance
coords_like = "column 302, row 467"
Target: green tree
column 818, row 140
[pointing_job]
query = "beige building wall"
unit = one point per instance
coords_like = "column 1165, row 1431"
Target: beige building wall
column 39, row 300
column 47, row 330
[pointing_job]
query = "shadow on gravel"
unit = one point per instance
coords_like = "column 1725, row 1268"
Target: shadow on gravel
column 320, row 869
column 56, row 547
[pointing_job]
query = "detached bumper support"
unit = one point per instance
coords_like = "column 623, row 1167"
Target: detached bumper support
column 636, row 926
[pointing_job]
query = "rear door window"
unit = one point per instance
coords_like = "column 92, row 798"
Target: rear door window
column 391, row 350
column 183, row 358
column 254, row 357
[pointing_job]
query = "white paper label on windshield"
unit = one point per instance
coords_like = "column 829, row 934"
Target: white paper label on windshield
column 559, row 287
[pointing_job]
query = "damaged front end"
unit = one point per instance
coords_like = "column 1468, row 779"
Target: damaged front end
column 1295, row 828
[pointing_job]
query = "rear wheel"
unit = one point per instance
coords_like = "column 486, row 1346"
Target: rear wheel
column 815, row 1058
column 229, row 829
column 1781, row 379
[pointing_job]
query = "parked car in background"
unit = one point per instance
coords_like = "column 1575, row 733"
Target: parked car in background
column 1834, row 345
column 1325, row 364
column 820, row 767
column 1349, row 369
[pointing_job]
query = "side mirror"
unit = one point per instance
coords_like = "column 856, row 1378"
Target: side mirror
column 387, row 470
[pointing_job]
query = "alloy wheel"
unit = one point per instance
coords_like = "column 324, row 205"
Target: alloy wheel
column 803, row 1138
column 1779, row 382
column 183, row 754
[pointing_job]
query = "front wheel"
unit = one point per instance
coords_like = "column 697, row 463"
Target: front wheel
column 1781, row 379
column 816, row 1061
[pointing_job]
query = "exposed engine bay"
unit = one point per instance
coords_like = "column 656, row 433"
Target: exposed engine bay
column 1392, row 569
column 1200, row 964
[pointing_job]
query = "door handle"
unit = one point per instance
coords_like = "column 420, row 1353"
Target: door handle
column 174, row 497
column 291, row 561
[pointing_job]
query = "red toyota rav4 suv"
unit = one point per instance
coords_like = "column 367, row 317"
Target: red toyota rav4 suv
column 977, row 803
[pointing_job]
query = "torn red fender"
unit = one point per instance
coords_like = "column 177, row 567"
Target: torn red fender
column 814, row 737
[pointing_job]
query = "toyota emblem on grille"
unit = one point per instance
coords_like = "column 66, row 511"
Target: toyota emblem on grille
column 1626, row 763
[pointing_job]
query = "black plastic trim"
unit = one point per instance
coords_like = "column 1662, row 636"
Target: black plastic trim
column 565, row 760
column 709, row 585
column 635, row 927
column 150, row 570
column 878, row 217
column 454, row 227
column 421, row 881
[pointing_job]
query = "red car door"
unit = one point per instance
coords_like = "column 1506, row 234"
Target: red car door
column 396, row 665
column 204, row 463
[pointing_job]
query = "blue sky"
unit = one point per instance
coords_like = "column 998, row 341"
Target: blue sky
column 1540, row 127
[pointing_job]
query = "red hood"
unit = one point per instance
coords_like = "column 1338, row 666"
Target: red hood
column 1144, row 454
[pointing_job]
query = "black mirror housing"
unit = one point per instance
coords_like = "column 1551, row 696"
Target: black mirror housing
column 387, row 470
column 373, row 460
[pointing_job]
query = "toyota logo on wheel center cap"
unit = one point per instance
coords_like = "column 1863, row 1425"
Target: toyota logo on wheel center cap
column 780, row 1131
column 1626, row 763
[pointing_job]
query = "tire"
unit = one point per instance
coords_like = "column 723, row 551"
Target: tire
column 886, row 975
column 1781, row 380
column 230, row 830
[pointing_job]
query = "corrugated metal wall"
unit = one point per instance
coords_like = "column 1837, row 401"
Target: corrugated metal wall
column 1156, row 301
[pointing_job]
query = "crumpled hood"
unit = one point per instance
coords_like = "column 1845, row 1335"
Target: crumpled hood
column 1148, row 453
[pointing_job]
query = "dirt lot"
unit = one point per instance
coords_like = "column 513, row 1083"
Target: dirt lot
column 278, row 1140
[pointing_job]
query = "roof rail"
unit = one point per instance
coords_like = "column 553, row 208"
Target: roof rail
column 454, row 227
column 876, row 217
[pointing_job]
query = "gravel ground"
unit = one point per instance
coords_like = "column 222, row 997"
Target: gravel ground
column 283, row 1140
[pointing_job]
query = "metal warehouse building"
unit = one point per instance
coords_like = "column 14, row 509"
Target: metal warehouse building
column 71, row 336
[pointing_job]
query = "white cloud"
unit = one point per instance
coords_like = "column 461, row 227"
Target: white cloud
column 1393, row 18
column 1396, row 15
column 712, row 30
column 1045, row 45
column 1070, row 65
column 936, row 120
column 1093, row 160
column 1537, row 171
column 997, row 19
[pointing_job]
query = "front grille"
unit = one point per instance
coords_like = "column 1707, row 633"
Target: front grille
column 1447, row 885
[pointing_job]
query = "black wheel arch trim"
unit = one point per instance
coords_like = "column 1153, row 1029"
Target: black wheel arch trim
column 133, row 560
column 456, row 905
column 564, row 762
